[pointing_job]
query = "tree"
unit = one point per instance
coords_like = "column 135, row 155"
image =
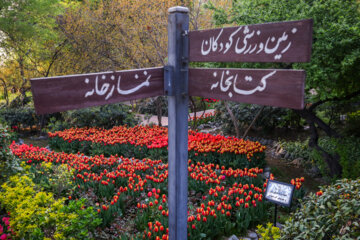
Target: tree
column 29, row 38
column 333, row 73
column 119, row 34
column 122, row 34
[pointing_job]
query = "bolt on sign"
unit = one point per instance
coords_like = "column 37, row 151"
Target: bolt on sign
column 271, row 42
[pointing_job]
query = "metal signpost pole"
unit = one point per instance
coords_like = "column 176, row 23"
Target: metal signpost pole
column 176, row 87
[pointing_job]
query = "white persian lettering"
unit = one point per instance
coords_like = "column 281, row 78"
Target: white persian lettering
column 227, row 80
column 248, row 42
column 104, row 89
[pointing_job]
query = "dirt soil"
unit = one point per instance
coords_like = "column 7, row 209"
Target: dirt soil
column 284, row 171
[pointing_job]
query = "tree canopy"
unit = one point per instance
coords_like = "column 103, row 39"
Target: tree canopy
column 334, row 70
column 29, row 39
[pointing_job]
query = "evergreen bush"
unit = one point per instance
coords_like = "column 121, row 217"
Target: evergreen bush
column 331, row 213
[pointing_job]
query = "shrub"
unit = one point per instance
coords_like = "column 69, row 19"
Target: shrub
column 269, row 118
column 148, row 106
column 9, row 165
column 56, row 124
column 353, row 123
column 37, row 215
column 53, row 178
column 104, row 116
column 201, row 119
column 19, row 117
column 297, row 149
column 332, row 213
column 269, row 232
column 348, row 151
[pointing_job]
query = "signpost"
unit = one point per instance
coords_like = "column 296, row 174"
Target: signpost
column 177, row 88
column 272, row 42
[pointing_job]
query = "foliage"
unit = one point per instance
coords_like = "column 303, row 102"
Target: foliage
column 53, row 178
column 56, row 124
column 17, row 23
column 352, row 124
column 333, row 213
column 348, row 150
column 104, row 116
column 149, row 106
column 111, row 35
column 29, row 39
column 332, row 74
column 9, row 164
column 297, row 149
column 202, row 119
column 36, row 215
column 269, row 119
column 335, row 52
column 269, row 232
column 19, row 117
column 78, row 222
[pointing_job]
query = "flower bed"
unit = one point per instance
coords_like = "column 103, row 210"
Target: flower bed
column 202, row 118
column 151, row 142
column 230, row 199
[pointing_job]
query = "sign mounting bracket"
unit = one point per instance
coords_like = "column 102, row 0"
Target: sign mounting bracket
column 168, row 86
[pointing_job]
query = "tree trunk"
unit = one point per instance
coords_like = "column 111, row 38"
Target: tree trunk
column 159, row 110
column 253, row 121
column 5, row 92
column 22, row 88
column 41, row 125
column 193, row 108
column 332, row 161
column 233, row 119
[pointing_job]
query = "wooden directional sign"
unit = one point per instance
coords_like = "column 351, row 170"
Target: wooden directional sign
column 57, row 94
column 270, row 42
column 272, row 87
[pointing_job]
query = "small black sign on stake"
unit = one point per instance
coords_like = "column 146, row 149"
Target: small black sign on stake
column 280, row 194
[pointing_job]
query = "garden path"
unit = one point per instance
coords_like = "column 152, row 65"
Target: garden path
column 164, row 120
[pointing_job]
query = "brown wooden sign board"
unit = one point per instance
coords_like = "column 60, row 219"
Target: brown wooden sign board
column 57, row 94
column 270, row 42
column 271, row 87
